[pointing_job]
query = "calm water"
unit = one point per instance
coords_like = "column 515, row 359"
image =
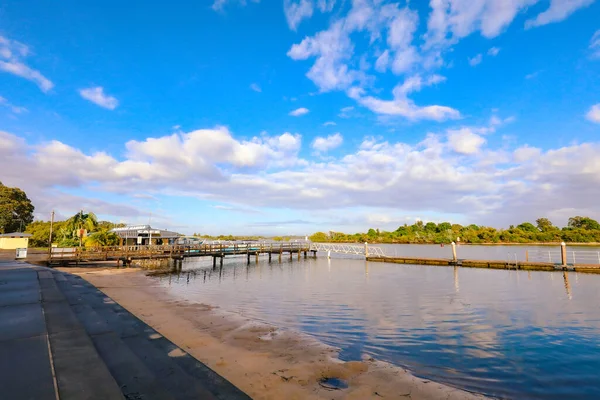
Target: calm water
column 510, row 334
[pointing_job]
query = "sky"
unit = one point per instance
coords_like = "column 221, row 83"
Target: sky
column 275, row 118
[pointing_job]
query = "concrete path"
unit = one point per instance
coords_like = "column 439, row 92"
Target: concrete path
column 61, row 338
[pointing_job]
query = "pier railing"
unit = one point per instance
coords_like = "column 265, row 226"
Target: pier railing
column 572, row 256
column 171, row 251
column 341, row 248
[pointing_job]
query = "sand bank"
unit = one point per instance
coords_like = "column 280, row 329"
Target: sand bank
column 263, row 361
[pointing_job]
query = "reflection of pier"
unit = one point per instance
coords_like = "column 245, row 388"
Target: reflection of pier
column 126, row 254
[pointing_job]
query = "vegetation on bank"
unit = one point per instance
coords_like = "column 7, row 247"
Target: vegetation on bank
column 578, row 230
column 66, row 233
column 16, row 210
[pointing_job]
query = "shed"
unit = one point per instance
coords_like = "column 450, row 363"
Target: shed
column 14, row 240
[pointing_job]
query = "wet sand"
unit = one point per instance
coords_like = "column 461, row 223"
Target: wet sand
column 260, row 359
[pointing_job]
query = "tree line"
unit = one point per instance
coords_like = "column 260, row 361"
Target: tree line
column 67, row 233
column 578, row 230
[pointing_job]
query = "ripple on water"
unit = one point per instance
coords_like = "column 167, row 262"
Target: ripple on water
column 513, row 334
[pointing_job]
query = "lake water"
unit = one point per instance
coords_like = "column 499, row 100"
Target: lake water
column 509, row 334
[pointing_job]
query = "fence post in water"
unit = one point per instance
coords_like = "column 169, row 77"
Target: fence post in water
column 328, row 253
column 563, row 253
column 527, row 255
column 454, row 251
column 366, row 250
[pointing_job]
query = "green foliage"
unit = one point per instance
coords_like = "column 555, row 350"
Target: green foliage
column 16, row 210
column 41, row 232
column 102, row 238
column 583, row 223
column 319, row 237
column 580, row 229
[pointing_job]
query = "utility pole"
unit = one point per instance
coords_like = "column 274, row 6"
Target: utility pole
column 50, row 238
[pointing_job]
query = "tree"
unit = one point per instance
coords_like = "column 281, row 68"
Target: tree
column 319, row 237
column 527, row 227
column 544, row 224
column 16, row 210
column 79, row 221
column 102, row 238
column 41, row 232
column 583, row 223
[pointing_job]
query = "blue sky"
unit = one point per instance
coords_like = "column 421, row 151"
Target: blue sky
column 290, row 117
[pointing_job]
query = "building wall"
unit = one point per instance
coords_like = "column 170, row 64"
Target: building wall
column 13, row 243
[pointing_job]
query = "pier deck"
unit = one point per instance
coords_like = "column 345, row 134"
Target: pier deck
column 493, row 264
column 126, row 254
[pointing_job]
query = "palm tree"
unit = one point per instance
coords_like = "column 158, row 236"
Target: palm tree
column 102, row 238
column 79, row 221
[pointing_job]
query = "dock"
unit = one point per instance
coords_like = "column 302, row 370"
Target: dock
column 491, row 264
column 125, row 255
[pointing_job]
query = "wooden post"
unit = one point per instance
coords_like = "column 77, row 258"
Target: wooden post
column 527, row 255
column 214, row 262
column 257, row 257
column 221, row 261
column 563, row 253
column 291, row 255
column 454, row 258
column 305, row 254
column 270, row 254
column 280, row 256
column 366, row 250
column 299, row 254
column 248, row 253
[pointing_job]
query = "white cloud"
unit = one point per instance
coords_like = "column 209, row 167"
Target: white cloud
column 452, row 20
column 465, row 141
column 325, row 5
column 295, row 12
column 383, row 61
column 299, row 112
column 493, row 51
column 594, row 113
column 475, row 60
column 526, row 153
column 329, row 123
column 12, row 54
column 219, row 5
column 558, row 11
column 256, row 87
column 595, row 44
column 401, row 105
column 376, row 175
column 12, row 107
column 532, row 75
column 97, row 96
column 324, row 144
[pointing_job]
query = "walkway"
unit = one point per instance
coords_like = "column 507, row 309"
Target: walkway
column 61, row 338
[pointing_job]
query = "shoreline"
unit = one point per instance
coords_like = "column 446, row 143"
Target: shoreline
column 262, row 360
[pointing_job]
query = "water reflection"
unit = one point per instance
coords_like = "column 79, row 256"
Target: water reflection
column 567, row 285
column 492, row 331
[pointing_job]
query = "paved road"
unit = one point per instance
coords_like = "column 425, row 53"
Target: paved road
column 61, row 338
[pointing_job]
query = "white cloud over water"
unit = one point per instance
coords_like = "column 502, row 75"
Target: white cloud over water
column 450, row 173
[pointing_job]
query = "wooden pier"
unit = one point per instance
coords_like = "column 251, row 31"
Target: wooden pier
column 492, row 264
column 125, row 255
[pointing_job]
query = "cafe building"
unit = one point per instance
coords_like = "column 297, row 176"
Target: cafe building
column 143, row 235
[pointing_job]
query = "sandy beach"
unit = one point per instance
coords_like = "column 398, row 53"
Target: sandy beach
column 260, row 359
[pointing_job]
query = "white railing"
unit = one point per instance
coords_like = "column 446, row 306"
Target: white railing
column 573, row 256
column 348, row 249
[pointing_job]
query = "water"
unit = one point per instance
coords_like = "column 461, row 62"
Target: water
column 509, row 334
